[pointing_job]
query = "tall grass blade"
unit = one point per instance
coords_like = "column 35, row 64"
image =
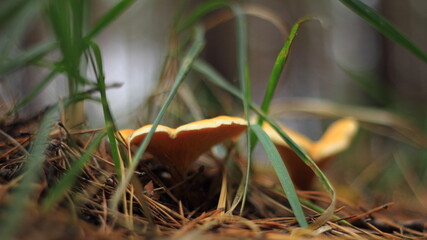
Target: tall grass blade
column 242, row 61
column 205, row 69
column 57, row 192
column 282, row 173
column 96, row 61
column 67, row 21
column 277, row 71
column 244, row 80
column 329, row 212
column 187, row 61
column 383, row 26
column 13, row 212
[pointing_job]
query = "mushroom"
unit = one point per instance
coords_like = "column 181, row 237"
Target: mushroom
column 335, row 140
column 179, row 148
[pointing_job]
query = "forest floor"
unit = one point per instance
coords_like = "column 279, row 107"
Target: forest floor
column 157, row 207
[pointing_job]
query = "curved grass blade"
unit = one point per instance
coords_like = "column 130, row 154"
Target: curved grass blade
column 13, row 212
column 97, row 66
column 282, row 173
column 57, row 192
column 201, row 11
column 205, row 69
column 185, row 67
column 395, row 126
column 278, row 66
column 277, row 71
column 383, row 26
column 218, row 80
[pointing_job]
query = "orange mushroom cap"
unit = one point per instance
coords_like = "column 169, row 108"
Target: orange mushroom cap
column 335, row 140
column 126, row 133
column 179, row 148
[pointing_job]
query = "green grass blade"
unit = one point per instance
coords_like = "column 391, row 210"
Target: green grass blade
column 278, row 67
column 277, row 71
column 13, row 212
column 244, row 80
column 67, row 22
column 35, row 91
column 392, row 125
column 200, row 12
column 57, row 192
column 28, row 56
column 329, row 212
column 205, row 69
column 108, row 117
column 187, row 61
column 108, row 18
column 282, row 173
column 383, row 26
column 218, row 80
column 242, row 62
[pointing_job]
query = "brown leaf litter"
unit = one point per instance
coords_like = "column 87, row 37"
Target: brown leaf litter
column 151, row 208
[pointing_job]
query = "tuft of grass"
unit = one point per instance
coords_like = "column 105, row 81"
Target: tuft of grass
column 68, row 22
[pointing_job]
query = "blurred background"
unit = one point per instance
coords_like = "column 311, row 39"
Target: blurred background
column 338, row 59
